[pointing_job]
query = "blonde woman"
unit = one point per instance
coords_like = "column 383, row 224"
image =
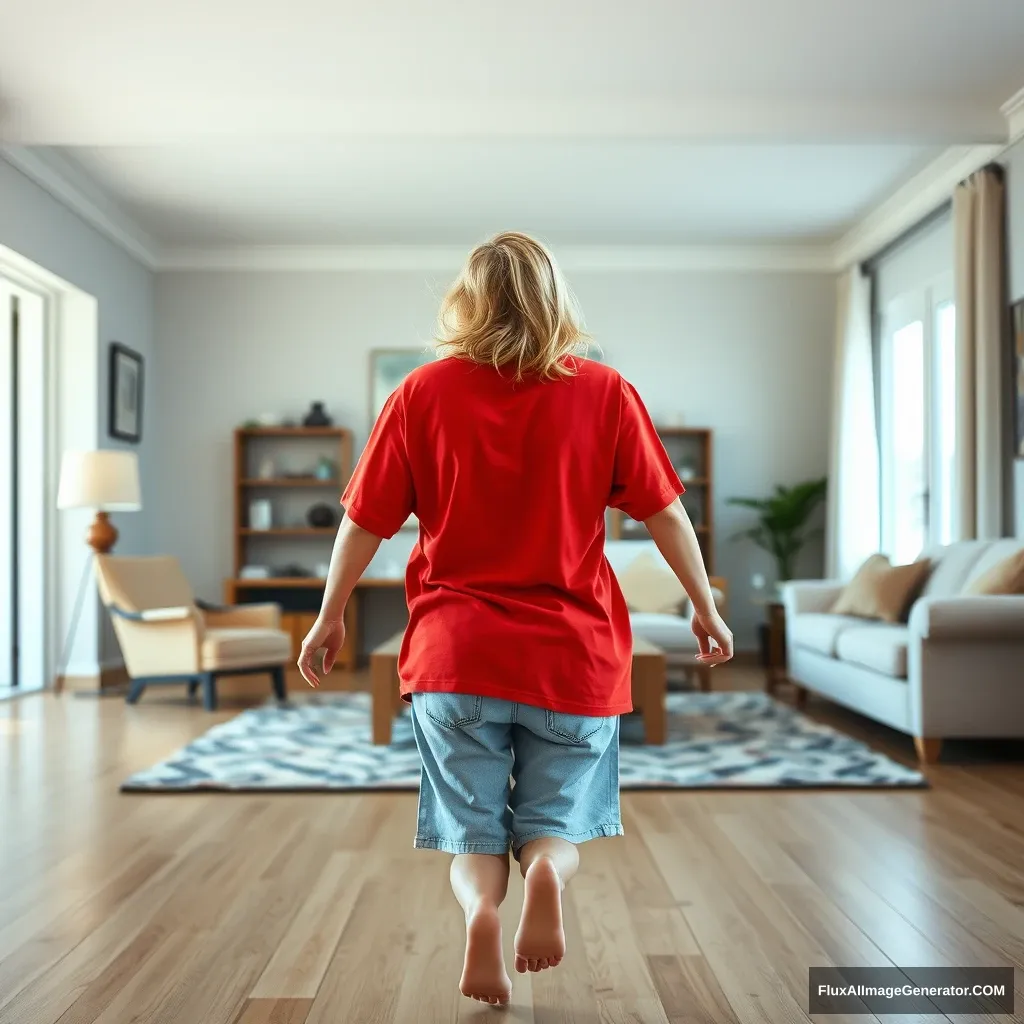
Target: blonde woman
column 517, row 655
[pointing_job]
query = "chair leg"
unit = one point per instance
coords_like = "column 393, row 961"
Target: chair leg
column 277, row 681
column 209, row 691
column 135, row 691
column 193, row 685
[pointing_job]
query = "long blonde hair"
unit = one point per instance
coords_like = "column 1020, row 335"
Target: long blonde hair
column 512, row 309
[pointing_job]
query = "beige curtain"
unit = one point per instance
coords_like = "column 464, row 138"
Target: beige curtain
column 853, row 513
column 980, row 267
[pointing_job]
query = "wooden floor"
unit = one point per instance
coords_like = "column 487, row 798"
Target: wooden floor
column 216, row 909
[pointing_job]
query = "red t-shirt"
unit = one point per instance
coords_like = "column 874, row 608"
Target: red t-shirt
column 510, row 594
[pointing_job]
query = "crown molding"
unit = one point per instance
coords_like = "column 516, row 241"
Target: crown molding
column 75, row 190
column 1013, row 111
column 927, row 190
column 757, row 257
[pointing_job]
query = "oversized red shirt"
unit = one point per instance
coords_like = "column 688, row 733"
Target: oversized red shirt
column 509, row 591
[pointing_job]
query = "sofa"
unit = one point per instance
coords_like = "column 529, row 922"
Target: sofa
column 955, row 668
column 670, row 632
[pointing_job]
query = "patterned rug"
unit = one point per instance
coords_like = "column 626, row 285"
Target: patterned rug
column 716, row 741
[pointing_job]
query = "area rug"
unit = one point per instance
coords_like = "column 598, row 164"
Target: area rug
column 716, row 741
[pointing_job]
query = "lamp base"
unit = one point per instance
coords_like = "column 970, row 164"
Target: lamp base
column 102, row 535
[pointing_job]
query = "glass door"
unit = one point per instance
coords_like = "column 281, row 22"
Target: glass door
column 8, row 487
column 918, row 433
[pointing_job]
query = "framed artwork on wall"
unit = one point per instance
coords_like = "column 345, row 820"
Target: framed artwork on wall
column 388, row 368
column 1018, row 377
column 125, row 393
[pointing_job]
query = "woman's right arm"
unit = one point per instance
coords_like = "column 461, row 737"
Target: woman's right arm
column 674, row 535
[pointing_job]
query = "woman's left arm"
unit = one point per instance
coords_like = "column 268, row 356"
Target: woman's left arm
column 354, row 548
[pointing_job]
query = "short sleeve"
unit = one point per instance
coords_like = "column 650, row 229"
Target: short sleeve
column 380, row 495
column 644, row 479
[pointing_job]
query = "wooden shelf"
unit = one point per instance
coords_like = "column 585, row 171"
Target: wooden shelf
column 312, row 582
column 290, row 481
column 697, row 481
column 334, row 432
column 290, row 531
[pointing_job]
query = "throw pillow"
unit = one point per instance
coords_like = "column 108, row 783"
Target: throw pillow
column 881, row 590
column 649, row 585
column 1005, row 577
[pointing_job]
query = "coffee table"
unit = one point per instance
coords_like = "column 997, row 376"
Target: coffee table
column 649, row 686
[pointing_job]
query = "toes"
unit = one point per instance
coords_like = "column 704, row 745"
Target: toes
column 520, row 964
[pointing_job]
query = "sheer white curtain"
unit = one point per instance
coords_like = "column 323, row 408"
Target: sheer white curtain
column 853, row 513
column 980, row 275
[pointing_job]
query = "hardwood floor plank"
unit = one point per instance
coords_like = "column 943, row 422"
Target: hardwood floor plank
column 689, row 991
column 300, row 961
column 275, row 1011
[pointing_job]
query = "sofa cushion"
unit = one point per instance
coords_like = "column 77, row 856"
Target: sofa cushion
column 669, row 632
column 649, row 585
column 818, row 631
column 951, row 567
column 881, row 647
column 229, row 648
column 881, row 590
column 1000, row 570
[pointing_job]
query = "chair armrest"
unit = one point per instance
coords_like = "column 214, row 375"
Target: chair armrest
column 979, row 618
column 242, row 616
column 175, row 614
column 802, row 596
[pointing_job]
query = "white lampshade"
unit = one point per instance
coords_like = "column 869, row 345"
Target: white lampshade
column 107, row 480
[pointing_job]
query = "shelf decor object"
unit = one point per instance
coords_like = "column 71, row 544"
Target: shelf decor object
column 691, row 452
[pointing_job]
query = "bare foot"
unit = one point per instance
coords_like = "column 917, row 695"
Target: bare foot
column 484, row 976
column 540, row 940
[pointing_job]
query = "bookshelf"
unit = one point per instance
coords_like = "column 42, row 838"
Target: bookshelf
column 691, row 452
column 288, row 455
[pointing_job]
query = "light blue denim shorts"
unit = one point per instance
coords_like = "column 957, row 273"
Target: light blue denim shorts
column 498, row 774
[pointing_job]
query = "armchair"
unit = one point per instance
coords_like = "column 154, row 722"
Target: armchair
column 166, row 636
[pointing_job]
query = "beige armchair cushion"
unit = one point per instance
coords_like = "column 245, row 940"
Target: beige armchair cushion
column 880, row 590
column 137, row 584
column 650, row 586
column 237, row 648
column 260, row 616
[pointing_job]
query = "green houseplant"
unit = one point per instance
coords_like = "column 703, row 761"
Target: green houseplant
column 782, row 528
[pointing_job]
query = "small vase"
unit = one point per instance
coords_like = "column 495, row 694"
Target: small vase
column 317, row 416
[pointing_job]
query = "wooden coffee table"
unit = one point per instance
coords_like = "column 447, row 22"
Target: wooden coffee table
column 648, row 688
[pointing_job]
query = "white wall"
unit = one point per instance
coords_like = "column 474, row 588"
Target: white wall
column 43, row 230
column 748, row 354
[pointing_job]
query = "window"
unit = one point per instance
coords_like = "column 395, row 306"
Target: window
column 918, row 401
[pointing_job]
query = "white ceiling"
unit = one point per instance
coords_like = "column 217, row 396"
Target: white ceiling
column 327, row 122
column 125, row 72
column 420, row 191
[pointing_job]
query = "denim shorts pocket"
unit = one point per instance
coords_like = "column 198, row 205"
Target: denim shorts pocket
column 574, row 728
column 452, row 710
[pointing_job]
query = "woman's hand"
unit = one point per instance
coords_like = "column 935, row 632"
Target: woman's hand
column 711, row 627
column 326, row 634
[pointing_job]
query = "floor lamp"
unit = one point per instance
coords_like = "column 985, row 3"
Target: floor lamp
column 107, row 481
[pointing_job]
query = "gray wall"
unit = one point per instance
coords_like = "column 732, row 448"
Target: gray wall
column 748, row 354
column 45, row 231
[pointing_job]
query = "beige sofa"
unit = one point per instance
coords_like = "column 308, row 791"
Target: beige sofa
column 955, row 669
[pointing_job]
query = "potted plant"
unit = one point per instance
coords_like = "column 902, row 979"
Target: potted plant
column 782, row 529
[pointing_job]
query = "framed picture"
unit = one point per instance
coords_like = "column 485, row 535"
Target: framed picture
column 125, row 395
column 1018, row 366
column 388, row 368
